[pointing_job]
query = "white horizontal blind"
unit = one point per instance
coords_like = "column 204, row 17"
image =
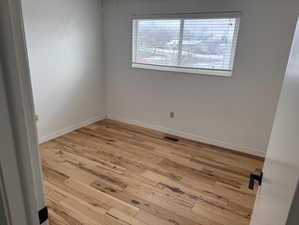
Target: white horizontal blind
column 157, row 42
column 206, row 44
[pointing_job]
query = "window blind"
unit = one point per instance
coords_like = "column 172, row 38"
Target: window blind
column 205, row 44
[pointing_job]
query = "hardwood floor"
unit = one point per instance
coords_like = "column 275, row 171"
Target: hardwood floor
column 110, row 173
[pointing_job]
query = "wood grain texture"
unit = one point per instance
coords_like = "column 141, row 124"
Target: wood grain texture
column 111, row 173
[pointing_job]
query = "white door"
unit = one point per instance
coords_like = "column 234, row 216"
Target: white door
column 21, row 190
column 11, row 196
column 281, row 169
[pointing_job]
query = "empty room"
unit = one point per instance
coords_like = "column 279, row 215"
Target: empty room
column 155, row 112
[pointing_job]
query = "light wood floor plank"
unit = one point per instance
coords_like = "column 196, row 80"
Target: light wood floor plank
column 111, row 173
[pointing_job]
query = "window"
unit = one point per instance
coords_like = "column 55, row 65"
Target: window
column 195, row 45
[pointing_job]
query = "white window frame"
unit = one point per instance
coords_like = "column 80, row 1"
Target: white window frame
column 182, row 17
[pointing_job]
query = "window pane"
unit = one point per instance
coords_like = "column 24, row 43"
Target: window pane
column 208, row 43
column 156, row 42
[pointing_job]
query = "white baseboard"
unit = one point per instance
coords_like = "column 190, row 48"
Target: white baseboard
column 70, row 129
column 190, row 136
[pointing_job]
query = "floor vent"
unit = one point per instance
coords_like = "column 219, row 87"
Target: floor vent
column 171, row 139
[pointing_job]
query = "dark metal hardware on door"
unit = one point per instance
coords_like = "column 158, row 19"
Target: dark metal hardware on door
column 43, row 215
column 253, row 178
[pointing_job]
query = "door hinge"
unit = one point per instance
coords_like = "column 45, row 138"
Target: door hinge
column 253, row 178
column 43, row 215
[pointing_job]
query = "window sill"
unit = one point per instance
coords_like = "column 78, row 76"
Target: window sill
column 221, row 73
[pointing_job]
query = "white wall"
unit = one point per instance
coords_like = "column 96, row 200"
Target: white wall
column 234, row 112
column 64, row 40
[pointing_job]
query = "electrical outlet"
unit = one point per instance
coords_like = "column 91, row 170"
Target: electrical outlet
column 171, row 114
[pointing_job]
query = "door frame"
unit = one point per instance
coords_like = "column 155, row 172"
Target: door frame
column 17, row 84
column 11, row 190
